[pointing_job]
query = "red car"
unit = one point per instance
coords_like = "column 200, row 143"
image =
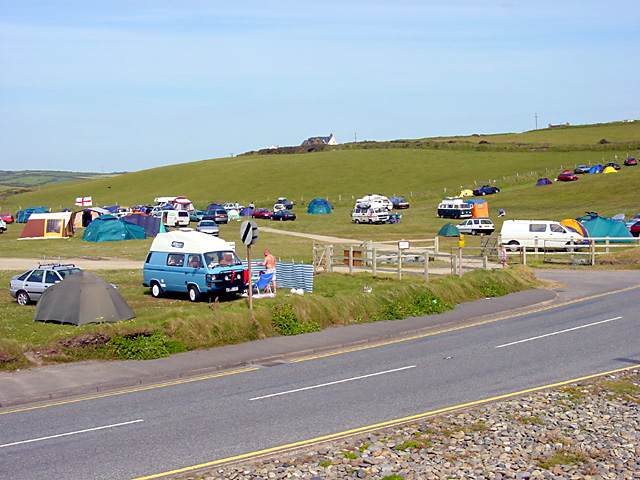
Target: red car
column 567, row 176
column 7, row 217
column 630, row 161
column 262, row 213
column 635, row 229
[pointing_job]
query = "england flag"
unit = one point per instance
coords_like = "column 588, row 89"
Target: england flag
column 83, row 201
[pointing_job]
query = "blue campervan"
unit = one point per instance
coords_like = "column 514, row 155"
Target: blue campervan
column 195, row 263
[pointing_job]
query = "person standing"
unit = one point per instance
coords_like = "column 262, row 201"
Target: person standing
column 270, row 263
column 503, row 255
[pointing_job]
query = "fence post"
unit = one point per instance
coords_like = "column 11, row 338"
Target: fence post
column 350, row 260
column 399, row 264
column 374, row 262
column 485, row 262
column 329, row 258
column 460, row 263
column 524, row 255
column 436, row 245
column 592, row 252
column 607, row 244
column 426, row 265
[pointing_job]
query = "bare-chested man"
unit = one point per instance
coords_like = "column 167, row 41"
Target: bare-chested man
column 270, row 262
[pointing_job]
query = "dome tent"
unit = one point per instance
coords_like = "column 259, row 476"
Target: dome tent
column 319, row 206
column 449, row 230
column 82, row 298
column 543, row 181
column 108, row 228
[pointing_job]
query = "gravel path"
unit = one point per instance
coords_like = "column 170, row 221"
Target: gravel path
column 585, row 431
column 86, row 263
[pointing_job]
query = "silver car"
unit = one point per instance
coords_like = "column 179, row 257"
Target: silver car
column 476, row 226
column 29, row 286
column 210, row 227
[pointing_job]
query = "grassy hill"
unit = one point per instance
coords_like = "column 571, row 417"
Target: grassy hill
column 421, row 173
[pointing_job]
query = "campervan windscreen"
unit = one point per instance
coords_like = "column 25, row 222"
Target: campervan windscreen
column 222, row 259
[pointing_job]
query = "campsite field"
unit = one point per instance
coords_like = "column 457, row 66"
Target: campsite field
column 423, row 175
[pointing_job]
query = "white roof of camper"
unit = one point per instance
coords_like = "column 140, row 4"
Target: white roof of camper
column 188, row 242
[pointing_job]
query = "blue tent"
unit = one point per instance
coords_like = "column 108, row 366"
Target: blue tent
column 246, row 212
column 596, row 169
column 108, row 228
column 23, row 215
column 319, row 206
column 152, row 226
column 604, row 227
column 543, row 181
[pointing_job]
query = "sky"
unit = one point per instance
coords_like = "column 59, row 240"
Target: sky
column 128, row 85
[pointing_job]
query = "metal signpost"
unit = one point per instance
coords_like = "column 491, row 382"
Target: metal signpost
column 249, row 235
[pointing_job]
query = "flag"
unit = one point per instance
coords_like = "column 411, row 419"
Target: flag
column 83, row 201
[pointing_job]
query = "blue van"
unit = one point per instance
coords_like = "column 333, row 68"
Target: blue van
column 194, row 263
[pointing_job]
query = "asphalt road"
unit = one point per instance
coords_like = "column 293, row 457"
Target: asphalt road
column 160, row 428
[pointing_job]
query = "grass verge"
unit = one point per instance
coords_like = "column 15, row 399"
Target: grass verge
column 172, row 324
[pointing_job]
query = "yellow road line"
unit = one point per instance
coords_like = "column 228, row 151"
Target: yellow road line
column 452, row 329
column 374, row 427
column 133, row 390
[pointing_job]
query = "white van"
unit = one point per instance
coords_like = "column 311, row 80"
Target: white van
column 539, row 233
column 376, row 200
column 367, row 213
column 175, row 218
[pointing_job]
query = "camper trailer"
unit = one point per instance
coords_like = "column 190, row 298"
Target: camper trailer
column 376, row 201
column 195, row 263
column 454, row 207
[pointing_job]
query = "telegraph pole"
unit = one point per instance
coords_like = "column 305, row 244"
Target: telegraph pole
column 536, row 115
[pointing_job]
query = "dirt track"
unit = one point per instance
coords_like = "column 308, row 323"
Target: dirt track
column 86, row 263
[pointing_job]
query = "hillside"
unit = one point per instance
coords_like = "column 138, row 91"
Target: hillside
column 420, row 173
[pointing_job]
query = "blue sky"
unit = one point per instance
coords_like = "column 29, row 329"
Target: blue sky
column 127, row 85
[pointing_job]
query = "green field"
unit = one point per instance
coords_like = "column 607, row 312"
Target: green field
column 423, row 171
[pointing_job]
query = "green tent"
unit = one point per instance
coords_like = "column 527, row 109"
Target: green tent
column 108, row 228
column 449, row 230
column 603, row 227
column 82, row 298
column 319, row 206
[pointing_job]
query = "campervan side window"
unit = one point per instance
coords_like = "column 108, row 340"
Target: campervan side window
column 557, row 228
column 175, row 260
column 537, row 227
column 195, row 261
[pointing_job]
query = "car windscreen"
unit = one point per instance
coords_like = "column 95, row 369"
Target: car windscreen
column 207, row 223
column 222, row 258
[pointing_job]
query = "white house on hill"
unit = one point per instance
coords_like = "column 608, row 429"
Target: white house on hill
column 330, row 140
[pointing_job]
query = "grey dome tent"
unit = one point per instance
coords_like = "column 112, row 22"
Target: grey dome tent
column 543, row 181
column 82, row 298
column 449, row 230
column 152, row 226
column 319, row 206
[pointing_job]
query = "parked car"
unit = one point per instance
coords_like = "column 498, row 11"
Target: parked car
column 612, row 164
column 630, row 161
column 218, row 214
column 485, row 190
column 3, row 226
column 283, row 204
column 567, row 176
column 475, row 226
column 262, row 213
column 283, row 215
column 29, row 286
column 196, row 215
column 208, row 226
column 582, row 169
column 399, row 203
column 635, row 229
column 7, row 217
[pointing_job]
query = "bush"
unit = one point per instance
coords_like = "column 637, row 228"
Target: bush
column 145, row 347
column 285, row 321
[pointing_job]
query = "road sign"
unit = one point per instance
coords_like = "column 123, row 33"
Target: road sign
column 249, row 232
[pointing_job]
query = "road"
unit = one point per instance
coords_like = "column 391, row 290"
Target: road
column 159, row 428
